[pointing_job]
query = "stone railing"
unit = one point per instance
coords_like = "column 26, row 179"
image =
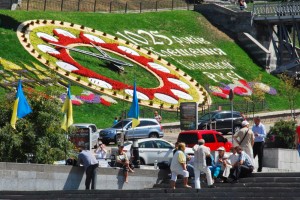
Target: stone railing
column 39, row 177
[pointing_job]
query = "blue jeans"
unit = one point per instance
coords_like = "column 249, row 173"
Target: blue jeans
column 215, row 170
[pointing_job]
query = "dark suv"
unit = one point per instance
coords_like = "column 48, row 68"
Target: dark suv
column 221, row 121
column 147, row 128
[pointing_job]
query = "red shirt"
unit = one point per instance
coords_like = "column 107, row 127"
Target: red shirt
column 298, row 132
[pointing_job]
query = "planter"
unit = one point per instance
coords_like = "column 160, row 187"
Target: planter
column 287, row 159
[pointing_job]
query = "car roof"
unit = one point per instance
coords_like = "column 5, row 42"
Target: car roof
column 224, row 111
column 150, row 119
column 199, row 132
column 149, row 139
column 86, row 125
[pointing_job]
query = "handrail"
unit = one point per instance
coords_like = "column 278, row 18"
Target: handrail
column 276, row 9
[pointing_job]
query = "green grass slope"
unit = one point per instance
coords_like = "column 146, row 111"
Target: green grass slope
column 170, row 23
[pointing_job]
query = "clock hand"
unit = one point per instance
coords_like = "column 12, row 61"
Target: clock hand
column 100, row 50
column 115, row 61
column 106, row 55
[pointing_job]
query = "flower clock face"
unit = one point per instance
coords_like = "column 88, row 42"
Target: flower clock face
column 108, row 65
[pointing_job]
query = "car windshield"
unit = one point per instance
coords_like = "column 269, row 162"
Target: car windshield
column 121, row 124
column 206, row 117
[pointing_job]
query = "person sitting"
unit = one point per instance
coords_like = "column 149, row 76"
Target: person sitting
column 101, row 151
column 123, row 161
column 243, row 167
column 218, row 169
column 229, row 163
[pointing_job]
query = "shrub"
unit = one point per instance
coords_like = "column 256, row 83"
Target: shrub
column 281, row 135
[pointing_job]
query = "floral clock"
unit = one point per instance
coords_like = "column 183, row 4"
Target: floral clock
column 55, row 43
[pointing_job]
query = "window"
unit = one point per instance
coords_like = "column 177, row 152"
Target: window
column 147, row 123
column 209, row 138
column 188, row 138
column 94, row 129
column 147, row 144
column 163, row 145
column 220, row 138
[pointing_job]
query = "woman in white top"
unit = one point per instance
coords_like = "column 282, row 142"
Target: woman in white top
column 100, row 151
column 178, row 166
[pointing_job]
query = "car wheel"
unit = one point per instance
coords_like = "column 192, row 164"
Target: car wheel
column 153, row 135
column 142, row 162
column 236, row 129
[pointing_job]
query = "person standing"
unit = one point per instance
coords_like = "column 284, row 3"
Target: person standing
column 178, row 166
column 88, row 160
column 201, row 152
column 115, row 121
column 297, row 139
column 246, row 138
column 157, row 117
column 259, row 131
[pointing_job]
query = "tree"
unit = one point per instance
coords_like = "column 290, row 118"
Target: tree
column 39, row 133
column 289, row 91
column 258, row 95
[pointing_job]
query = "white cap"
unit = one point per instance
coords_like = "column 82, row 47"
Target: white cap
column 245, row 123
column 221, row 149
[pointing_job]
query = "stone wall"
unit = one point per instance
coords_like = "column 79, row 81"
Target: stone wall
column 287, row 159
column 39, row 177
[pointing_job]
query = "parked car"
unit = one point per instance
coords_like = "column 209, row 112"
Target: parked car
column 84, row 135
column 221, row 121
column 148, row 128
column 151, row 149
column 212, row 138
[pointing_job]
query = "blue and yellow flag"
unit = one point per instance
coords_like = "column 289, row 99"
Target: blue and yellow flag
column 21, row 107
column 134, row 111
column 68, row 110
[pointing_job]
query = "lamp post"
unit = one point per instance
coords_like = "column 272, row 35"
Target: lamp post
column 231, row 102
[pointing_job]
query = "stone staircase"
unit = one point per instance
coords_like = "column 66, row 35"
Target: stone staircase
column 275, row 186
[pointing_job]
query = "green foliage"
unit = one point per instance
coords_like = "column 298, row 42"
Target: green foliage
column 281, row 135
column 38, row 133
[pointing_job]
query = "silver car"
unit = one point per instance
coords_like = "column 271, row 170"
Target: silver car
column 148, row 128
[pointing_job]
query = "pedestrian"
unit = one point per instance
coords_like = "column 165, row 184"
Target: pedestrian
column 259, row 131
column 242, row 4
column 100, row 151
column 243, row 167
column 157, row 117
column 218, row 169
column 246, row 138
column 178, row 166
column 200, row 165
column 230, row 163
column 122, row 161
column 90, row 164
column 115, row 121
column 297, row 139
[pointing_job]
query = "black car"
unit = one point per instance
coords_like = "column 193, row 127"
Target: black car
column 221, row 121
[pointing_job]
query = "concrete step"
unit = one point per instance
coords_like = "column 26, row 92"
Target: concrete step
column 242, row 193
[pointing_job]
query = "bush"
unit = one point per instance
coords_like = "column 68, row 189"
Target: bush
column 281, row 135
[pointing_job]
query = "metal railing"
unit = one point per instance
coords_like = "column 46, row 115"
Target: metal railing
column 276, row 9
column 106, row 5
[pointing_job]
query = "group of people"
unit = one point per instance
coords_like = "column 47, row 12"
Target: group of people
column 240, row 163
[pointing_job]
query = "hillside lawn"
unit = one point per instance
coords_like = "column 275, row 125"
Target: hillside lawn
column 169, row 23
